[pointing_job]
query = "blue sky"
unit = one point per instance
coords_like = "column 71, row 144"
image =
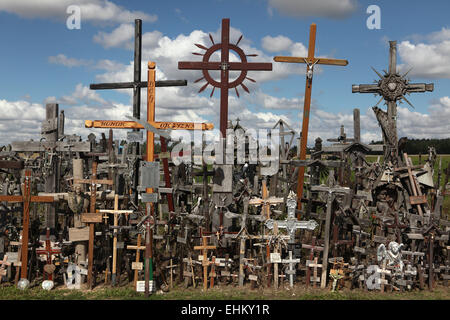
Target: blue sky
column 43, row 61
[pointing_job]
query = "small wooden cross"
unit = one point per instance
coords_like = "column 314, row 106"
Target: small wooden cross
column 204, row 247
column 291, row 271
column 4, row 263
column 313, row 264
column 48, row 252
column 116, row 213
column 137, row 265
column 312, row 248
column 171, row 271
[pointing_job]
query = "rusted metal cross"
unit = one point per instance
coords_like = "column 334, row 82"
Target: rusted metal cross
column 225, row 66
column 27, row 199
column 310, row 61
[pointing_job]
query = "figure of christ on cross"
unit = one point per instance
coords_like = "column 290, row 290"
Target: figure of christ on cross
column 310, row 61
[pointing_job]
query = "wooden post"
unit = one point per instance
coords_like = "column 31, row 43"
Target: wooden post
column 326, row 242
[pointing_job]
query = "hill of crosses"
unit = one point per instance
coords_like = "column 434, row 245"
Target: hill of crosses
column 154, row 214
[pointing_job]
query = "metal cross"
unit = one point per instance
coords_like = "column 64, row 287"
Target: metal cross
column 225, row 66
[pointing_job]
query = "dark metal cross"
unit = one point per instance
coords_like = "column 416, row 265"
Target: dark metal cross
column 392, row 87
column 225, row 66
column 137, row 85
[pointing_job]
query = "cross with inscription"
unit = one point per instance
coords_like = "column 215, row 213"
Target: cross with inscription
column 137, row 85
column 310, row 61
column 225, row 66
column 392, row 87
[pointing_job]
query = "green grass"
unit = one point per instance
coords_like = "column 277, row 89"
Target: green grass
column 221, row 293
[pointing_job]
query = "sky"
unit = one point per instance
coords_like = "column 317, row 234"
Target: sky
column 43, row 61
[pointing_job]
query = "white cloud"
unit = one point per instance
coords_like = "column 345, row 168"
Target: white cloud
column 68, row 62
column 276, row 44
column 103, row 11
column 336, row 9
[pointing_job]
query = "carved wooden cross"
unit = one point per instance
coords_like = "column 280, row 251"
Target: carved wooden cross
column 116, row 213
column 392, row 87
column 225, row 66
column 204, row 247
column 92, row 217
column 49, row 252
column 310, row 61
column 27, row 199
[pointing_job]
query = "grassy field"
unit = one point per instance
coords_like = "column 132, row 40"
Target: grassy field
column 220, row 293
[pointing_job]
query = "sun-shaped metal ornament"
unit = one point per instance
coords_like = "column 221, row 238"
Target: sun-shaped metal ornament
column 224, row 66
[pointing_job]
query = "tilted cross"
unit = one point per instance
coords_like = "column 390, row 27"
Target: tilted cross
column 310, row 61
column 392, row 87
column 27, row 199
column 225, row 66
column 48, row 252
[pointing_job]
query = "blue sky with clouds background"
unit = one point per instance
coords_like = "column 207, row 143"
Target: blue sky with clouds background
column 43, row 61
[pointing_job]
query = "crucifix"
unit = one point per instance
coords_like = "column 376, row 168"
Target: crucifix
column 116, row 213
column 225, row 66
column 310, row 61
column 204, row 247
column 27, row 199
column 392, row 87
column 137, row 85
column 49, row 268
column 92, row 217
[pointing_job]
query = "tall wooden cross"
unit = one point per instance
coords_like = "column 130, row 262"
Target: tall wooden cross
column 225, row 66
column 310, row 61
column 116, row 213
column 91, row 218
column 27, row 199
column 392, row 87
column 137, row 85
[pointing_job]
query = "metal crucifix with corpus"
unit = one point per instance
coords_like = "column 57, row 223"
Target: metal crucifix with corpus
column 392, row 87
column 225, row 66
column 137, row 85
column 310, row 61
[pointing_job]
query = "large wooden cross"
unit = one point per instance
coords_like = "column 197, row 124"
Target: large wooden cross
column 225, row 66
column 27, row 199
column 91, row 218
column 137, row 85
column 392, row 87
column 310, row 61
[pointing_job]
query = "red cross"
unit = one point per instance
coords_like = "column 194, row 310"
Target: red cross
column 48, row 251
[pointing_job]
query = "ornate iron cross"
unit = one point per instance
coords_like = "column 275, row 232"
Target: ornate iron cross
column 392, row 87
column 225, row 66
